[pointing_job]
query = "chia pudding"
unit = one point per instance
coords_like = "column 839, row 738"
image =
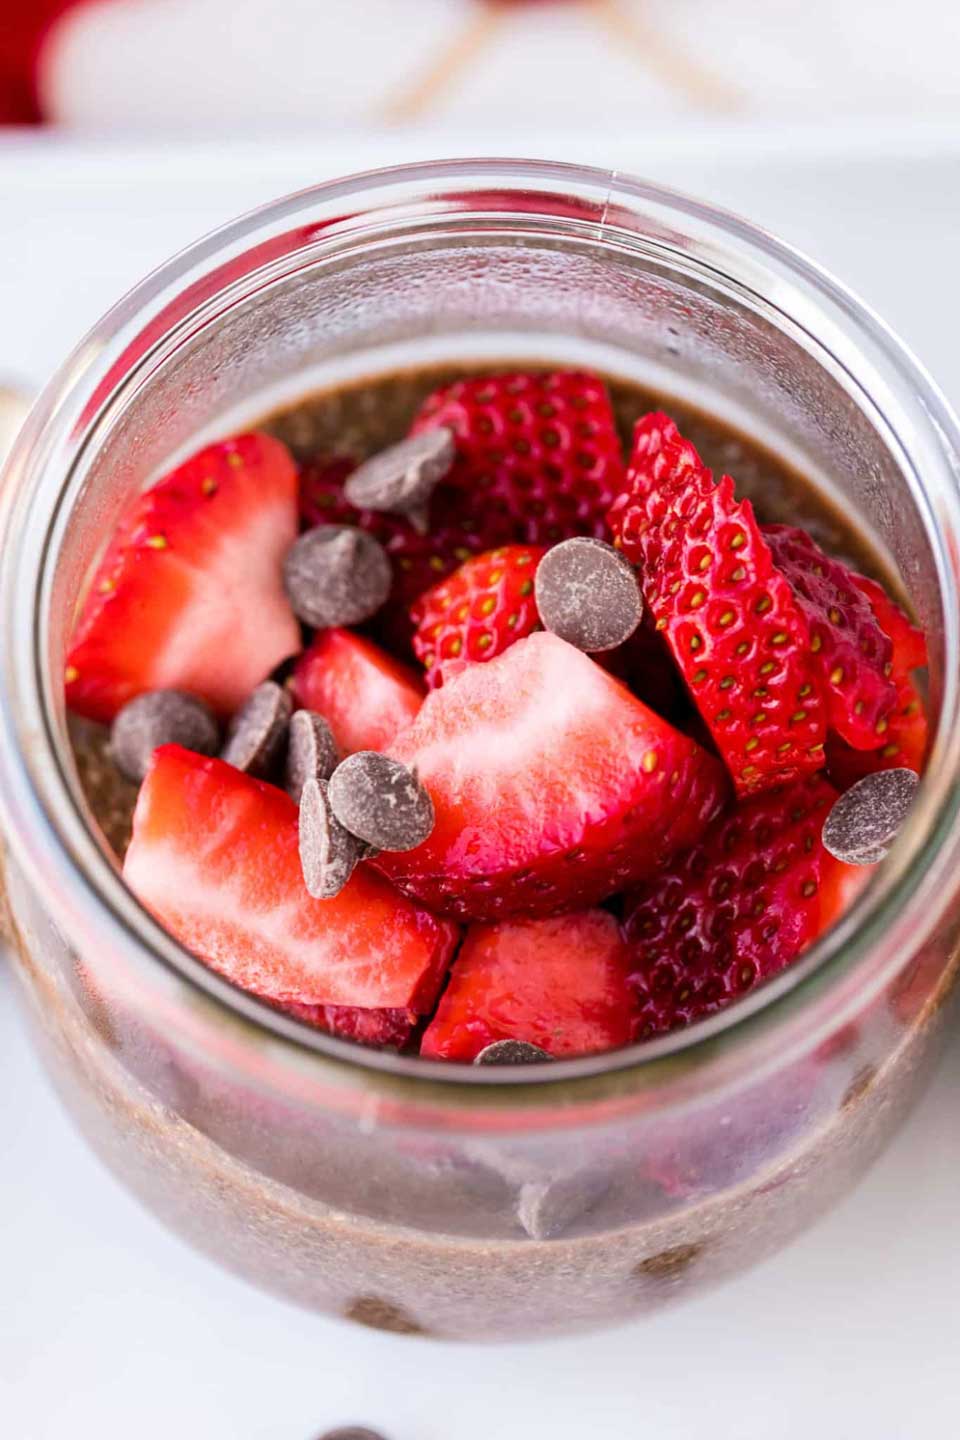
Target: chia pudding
column 489, row 1220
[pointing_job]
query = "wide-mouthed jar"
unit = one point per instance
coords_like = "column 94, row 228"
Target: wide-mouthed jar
column 454, row 1200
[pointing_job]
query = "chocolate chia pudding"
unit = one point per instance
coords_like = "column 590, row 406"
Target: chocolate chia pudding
column 415, row 808
column 482, row 1226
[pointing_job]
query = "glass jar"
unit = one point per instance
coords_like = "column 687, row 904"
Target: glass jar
column 459, row 1201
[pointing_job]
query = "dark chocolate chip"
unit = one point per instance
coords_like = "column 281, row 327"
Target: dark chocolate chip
column 328, row 852
column 511, row 1052
column 257, row 732
column 336, row 575
column 312, row 752
column 587, row 593
column 547, row 1208
column 863, row 824
column 381, row 801
column 402, row 478
column 351, row 1432
column 161, row 717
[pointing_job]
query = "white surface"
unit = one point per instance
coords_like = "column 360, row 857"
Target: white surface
column 110, row 1329
column 171, row 65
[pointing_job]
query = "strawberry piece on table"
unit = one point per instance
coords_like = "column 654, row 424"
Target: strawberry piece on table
column 189, row 595
column 477, row 612
column 539, row 449
column 730, row 617
column 214, row 856
column 382, row 1028
column 739, row 906
column 552, row 786
column 905, row 740
column 364, row 694
column 559, row 983
column 853, row 654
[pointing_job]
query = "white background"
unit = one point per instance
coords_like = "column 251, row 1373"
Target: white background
column 109, row 1328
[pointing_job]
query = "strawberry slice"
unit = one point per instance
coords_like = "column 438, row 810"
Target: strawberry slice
column 214, row 856
column 539, row 449
column 381, row 1028
column 905, row 741
column 646, row 667
column 733, row 625
column 739, row 906
column 189, row 595
column 853, row 655
column 906, row 736
column 364, row 694
column 458, row 529
column 908, row 642
column 477, row 612
column 552, row 786
column 560, row 983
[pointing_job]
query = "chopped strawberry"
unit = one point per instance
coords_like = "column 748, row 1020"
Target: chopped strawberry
column 539, row 449
column 458, row 529
column 739, row 906
column 477, row 612
column 730, row 618
column 214, row 856
column 905, row 739
column 189, row 594
column 645, row 665
column 364, row 694
column 322, row 501
column 907, row 640
column 552, row 786
column 853, row 655
column 382, row 1028
column 559, row 983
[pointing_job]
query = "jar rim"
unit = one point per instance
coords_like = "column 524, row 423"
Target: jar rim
column 51, row 838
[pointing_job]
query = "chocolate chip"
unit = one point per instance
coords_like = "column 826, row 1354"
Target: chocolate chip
column 511, row 1052
column 587, row 593
column 381, row 801
column 312, row 752
column 161, row 717
column 547, row 1208
column 351, row 1432
column 863, row 824
column 257, row 731
column 336, row 575
column 328, row 852
column 402, row 478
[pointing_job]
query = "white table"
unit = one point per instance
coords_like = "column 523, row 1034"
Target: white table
column 110, row 1329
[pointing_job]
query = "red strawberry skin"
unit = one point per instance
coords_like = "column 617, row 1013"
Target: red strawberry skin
column 364, row 694
column 906, row 737
column 214, row 856
column 560, row 983
column 459, row 528
column 384, row 1029
column 553, row 786
column 730, row 618
column 737, row 908
column 538, row 461
column 853, row 654
column 189, row 593
column 539, row 449
column 477, row 612
column 908, row 643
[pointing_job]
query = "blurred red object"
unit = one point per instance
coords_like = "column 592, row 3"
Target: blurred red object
column 24, row 25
